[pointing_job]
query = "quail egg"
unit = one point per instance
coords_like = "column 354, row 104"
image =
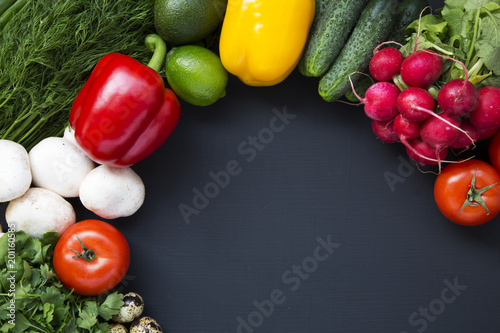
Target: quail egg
column 131, row 309
column 117, row 328
column 145, row 325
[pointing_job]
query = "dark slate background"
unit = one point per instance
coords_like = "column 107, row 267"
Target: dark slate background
column 306, row 235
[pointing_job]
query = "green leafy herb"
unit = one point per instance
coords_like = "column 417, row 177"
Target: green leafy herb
column 32, row 299
column 47, row 51
column 466, row 30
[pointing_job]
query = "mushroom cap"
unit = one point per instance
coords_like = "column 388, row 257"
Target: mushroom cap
column 59, row 165
column 15, row 173
column 112, row 192
column 39, row 211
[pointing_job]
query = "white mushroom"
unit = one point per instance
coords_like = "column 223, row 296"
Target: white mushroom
column 39, row 211
column 112, row 192
column 59, row 165
column 69, row 134
column 15, row 173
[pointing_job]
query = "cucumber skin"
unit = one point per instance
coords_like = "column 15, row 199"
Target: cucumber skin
column 329, row 35
column 373, row 28
column 407, row 12
column 319, row 9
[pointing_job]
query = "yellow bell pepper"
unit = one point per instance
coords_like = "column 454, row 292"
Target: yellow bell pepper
column 262, row 41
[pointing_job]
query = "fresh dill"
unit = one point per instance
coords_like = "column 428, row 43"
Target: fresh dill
column 47, row 51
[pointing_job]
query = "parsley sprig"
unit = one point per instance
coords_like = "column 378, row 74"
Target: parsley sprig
column 41, row 302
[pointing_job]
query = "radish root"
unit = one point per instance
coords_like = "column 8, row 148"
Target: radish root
column 447, row 122
column 419, row 25
column 349, row 103
column 437, row 160
column 466, row 79
column 352, row 85
column 391, row 42
column 466, row 72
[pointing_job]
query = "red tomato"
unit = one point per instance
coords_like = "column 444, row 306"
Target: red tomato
column 494, row 151
column 91, row 257
column 465, row 199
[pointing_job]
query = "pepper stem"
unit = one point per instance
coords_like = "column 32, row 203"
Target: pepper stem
column 156, row 45
column 86, row 254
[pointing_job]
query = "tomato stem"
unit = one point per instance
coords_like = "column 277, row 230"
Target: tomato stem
column 86, row 254
column 474, row 195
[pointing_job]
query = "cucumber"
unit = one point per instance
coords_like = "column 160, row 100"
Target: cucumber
column 329, row 35
column 373, row 28
column 407, row 12
column 319, row 8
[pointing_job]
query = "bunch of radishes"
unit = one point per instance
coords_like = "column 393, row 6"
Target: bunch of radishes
column 402, row 107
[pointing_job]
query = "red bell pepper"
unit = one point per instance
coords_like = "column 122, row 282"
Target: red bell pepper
column 123, row 113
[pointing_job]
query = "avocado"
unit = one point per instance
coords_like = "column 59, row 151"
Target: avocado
column 180, row 22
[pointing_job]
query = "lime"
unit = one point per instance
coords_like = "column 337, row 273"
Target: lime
column 181, row 22
column 196, row 74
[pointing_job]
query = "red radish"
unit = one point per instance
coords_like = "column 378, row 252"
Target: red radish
column 486, row 114
column 440, row 132
column 415, row 104
column 380, row 100
column 385, row 64
column 470, row 137
column 421, row 68
column 406, row 128
column 384, row 130
column 423, row 153
column 457, row 97
column 487, row 133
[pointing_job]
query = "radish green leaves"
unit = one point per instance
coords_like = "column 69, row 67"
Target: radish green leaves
column 466, row 30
